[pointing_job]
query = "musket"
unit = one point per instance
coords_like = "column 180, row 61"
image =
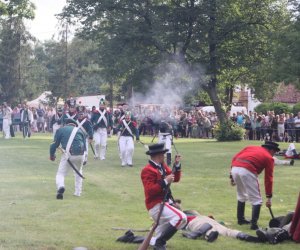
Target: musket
column 146, row 242
column 153, row 138
column 72, row 165
column 131, row 229
column 174, row 145
column 145, row 145
column 92, row 149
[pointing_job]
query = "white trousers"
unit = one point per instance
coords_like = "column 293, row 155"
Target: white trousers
column 6, row 128
column 64, row 168
column 170, row 215
column 200, row 220
column 247, row 185
column 55, row 127
column 281, row 162
column 167, row 140
column 100, row 138
column 126, row 149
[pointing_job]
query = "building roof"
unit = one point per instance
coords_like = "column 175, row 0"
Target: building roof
column 287, row 94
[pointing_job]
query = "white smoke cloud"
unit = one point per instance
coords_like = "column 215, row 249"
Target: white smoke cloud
column 173, row 81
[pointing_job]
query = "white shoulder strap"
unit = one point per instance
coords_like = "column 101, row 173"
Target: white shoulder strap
column 71, row 139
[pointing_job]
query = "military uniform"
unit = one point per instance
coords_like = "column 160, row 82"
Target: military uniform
column 166, row 132
column 56, row 121
column 245, row 167
column 155, row 181
column 71, row 113
column 127, row 130
column 102, row 124
column 86, row 126
column 73, row 143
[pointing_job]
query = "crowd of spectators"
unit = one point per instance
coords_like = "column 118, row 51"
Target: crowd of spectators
column 190, row 123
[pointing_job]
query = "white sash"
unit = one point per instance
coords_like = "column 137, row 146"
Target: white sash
column 68, row 115
column 127, row 127
column 102, row 116
column 71, row 139
column 80, row 125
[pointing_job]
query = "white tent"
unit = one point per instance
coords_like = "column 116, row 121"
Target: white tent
column 41, row 100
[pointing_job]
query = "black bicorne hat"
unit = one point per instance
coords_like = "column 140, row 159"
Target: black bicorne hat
column 158, row 148
column 271, row 145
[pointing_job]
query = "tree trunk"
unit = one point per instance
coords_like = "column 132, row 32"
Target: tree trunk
column 213, row 66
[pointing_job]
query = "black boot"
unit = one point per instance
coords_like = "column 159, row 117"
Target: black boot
column 201, row 231
column 249, row 238
column 169, row 159
column 273, row 235
column 60, row 193
column 255, row 216
column 241, row 213
column 160, row 243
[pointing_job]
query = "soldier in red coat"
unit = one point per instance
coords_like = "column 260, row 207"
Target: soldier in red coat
column 156, row 176
column 245, row 168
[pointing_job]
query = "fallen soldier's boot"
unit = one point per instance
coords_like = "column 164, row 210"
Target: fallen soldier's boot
column 212, row 236
column 249, row 238
column 201, row 231
column 273, row 235
column 127, row 237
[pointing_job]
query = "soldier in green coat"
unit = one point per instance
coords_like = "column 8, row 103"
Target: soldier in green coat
column 71, row 140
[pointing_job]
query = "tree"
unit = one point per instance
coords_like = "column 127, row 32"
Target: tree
column 229, row 38
column 13, row 40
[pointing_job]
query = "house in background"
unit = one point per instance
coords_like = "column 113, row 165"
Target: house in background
column 288, row 94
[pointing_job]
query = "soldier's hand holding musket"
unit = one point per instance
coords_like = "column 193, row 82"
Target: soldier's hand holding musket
column 177, row 159
column 52, row 157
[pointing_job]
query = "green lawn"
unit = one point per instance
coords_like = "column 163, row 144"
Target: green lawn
column 113, row 196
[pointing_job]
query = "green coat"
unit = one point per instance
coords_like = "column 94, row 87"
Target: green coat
column 62, row 137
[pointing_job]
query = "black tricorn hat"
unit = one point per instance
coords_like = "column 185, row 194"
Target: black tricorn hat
column 158, row 148
column 71, row 121
column 271, row 145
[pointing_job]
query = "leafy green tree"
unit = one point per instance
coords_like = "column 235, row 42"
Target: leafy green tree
column 229, row 38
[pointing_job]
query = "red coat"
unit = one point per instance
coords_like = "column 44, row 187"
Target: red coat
column 295, row 227
column 154, row 184
column 256, row 159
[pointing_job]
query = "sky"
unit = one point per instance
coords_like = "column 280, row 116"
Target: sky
column 45, row 24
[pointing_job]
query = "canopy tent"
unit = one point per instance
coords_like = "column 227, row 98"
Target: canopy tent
column 41, row 100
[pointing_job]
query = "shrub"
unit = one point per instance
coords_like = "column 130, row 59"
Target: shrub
column 229, row 131
column 277, row 107
column 296, row 108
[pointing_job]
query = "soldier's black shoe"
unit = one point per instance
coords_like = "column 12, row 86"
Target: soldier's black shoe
column 243, row 222
column 60, row 192
column 292, row 162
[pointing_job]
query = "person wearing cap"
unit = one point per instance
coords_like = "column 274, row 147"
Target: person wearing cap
column 72, row 142
column 245, row 168
column 102, row 124
column 56, row 120
column 156, row 177
column 86, row 126
column 127, row 130
column 7, row 121
column 71, row 112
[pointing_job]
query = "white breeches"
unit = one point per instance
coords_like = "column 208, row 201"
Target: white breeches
column 126, row 149
column 170, row 215
column 167, row 140
column 247, row 185
column 64, row 168
column 100, row 138
column 200, row 220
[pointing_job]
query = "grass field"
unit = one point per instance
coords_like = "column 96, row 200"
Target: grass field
column 32, row 218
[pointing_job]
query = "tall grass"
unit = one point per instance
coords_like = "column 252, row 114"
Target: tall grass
column 113, row 196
